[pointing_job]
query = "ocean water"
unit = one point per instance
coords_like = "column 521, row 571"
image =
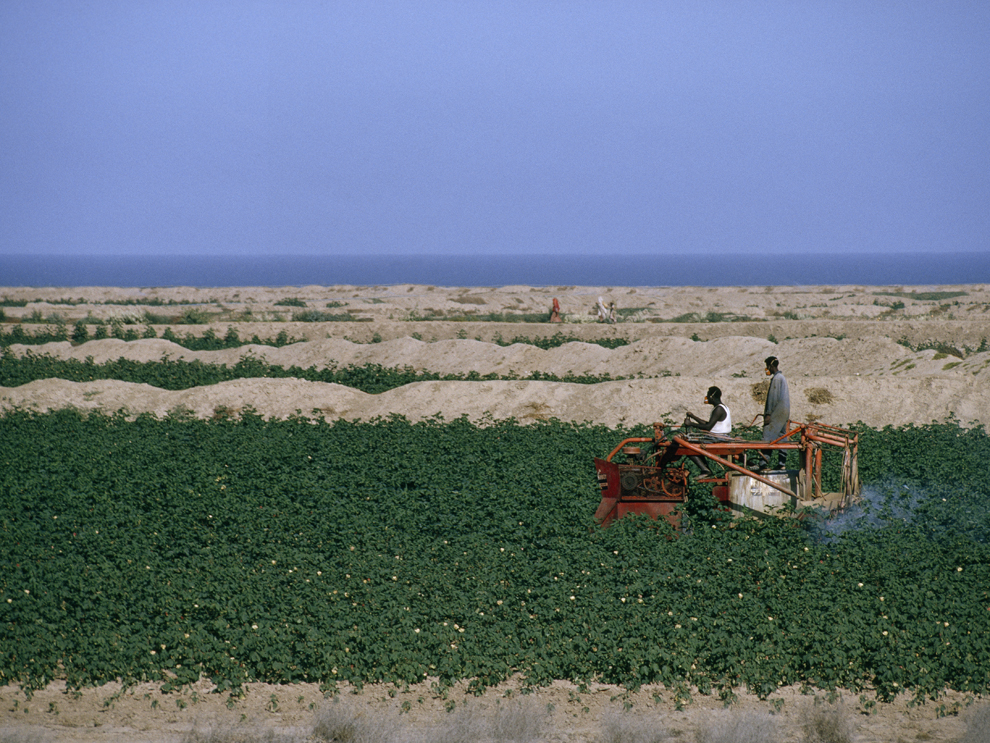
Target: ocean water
column 916, row 269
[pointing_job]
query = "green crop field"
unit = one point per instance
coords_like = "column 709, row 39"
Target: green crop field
column 299, row 550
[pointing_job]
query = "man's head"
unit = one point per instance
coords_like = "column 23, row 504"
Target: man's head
column 771, row 362
column 713, row 396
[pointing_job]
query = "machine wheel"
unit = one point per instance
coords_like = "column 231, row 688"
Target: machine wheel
column 629, row 481
column 675, row 482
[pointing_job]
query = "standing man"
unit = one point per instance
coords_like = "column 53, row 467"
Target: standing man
column 777, row 410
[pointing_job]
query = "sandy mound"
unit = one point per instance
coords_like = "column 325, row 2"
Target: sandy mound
column 836, row 400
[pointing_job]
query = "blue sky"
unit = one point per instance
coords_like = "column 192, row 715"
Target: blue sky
column 471, row 127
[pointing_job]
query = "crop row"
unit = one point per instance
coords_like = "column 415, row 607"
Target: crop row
column 299, row 550
column 172, row 374
column 208, row 340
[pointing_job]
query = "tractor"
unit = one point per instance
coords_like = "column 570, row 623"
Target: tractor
column 651, row 478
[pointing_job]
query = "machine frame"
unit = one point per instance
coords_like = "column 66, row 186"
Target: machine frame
column 654, row 483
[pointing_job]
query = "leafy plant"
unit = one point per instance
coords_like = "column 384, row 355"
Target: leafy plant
column 172, row 374
column 241, row 549
column 318, row 316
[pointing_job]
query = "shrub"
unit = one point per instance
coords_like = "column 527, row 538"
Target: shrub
column 977, row 726
column 738, row 727
column 318, row 316
column 519, row 721
column 624, row 727
column 152, row 318
column 341, row 721
column 242, row 733
column 22, row 735
column 80, row 334
column 193, row 316
column 826, row 723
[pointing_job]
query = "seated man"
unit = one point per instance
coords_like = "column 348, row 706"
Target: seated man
column 719, row 423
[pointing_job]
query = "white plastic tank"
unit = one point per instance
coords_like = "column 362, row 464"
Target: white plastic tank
column 750, row 496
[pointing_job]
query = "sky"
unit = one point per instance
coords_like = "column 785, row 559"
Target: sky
column 489, row 128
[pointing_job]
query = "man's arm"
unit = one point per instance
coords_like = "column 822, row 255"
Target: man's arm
column 718, row 414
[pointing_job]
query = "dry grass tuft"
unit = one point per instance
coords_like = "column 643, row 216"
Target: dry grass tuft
column 341, row 721
column 826, row 723
column 242, row 733
column 469, row 299
column 622, row 727
column 977, row 725
column 759, row 391
column 739, row 727
column 23, row 735
column 819, row 396
column 522, row 721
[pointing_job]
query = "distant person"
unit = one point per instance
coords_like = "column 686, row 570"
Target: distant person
column 612, row 313
column 602, row 311
column 776, row 411
column 555, row 311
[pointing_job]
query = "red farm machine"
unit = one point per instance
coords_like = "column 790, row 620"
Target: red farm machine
column 652, row 479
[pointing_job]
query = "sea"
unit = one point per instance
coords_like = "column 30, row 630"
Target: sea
column 772, row 269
